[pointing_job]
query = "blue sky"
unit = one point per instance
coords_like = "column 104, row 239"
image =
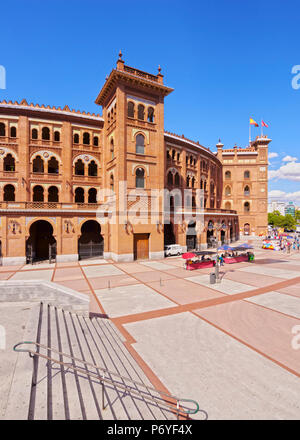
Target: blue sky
column 227, row 60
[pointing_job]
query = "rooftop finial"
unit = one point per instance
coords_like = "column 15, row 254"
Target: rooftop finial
column 159, row 69
column 120, row 55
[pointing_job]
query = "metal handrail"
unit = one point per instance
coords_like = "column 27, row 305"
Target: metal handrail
column 180, row 410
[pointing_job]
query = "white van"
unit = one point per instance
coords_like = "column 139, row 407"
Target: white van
column 173, row 249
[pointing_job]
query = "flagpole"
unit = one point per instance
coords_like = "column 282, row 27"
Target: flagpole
column 249, row 134
column 261, row 128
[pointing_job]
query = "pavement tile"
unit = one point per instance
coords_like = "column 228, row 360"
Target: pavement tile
column 263, row 329
column 125, row 300
column 183, row 291
column 102, row 271
column 280, row 302
column 64, row 274
column 112, row 281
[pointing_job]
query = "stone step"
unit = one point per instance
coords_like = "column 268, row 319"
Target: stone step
column 53, row 391
column 19, row 396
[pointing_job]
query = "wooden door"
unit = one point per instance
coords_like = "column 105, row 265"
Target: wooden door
column 141, row 246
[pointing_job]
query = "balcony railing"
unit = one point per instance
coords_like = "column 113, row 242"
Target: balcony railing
column 49, row 205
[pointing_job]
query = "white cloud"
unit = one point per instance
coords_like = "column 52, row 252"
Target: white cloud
column 282, row 196
column 272, row 155
column 289, row 171
column 289, row 159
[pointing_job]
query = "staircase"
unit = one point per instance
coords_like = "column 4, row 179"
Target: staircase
column 79, row 369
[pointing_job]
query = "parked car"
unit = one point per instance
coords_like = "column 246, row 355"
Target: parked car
column 173, row 249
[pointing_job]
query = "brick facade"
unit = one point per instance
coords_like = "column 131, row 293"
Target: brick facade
column 55, row 162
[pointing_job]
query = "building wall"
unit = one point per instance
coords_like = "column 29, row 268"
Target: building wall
column 106, row 147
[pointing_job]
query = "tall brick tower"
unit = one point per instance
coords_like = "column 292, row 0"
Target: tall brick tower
column 245, row 178
column 133, row 152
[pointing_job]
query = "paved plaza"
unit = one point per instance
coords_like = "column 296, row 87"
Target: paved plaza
column 227, row 345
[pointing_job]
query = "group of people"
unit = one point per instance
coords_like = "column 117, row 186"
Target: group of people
column 286, row 245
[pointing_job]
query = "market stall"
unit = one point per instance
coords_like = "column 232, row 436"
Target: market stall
column 198, row 260
column 239, row 254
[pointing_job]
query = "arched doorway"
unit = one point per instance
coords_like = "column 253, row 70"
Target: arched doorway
column 210, row 240
column 246, row 229
column 169, row 236
column 91, row 242
column 191, row 236
column 41, row 245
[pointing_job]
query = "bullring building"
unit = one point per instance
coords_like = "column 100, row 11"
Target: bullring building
column 55, row 162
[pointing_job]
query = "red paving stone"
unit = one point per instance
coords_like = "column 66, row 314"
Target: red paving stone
column 285, row 266
column 133, row 267
column 68, row 274
column 5, row 275
column 80, row 285
column 291, row 290
column 183, row 291
column 264, row 330
column 252, row 279
column 67, row 264
column 111, row 281
column 148, row 277
column 183, row 273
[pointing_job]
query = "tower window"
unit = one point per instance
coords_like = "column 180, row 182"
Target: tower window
column 141, row 112
column 140, row 178
column 140, row 144
column 150, row 114
column 46, row 134
column 130, row 109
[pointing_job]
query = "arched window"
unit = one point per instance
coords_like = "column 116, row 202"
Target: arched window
column 150, row 114
column 92, row 195
column 130, row 109
column 140, row 178
column 2, row 129
column 46, row 134
column 140, row 144
column 170, row 178
column 79, row 195
column 111, row 182
column 9, row 193
column 246, row 229
column 38, row 193
column 247, row 191
column 228, row 191
column 193, row 182
column 53, row 166
column 79, row 168
column 246, row 207
column 168, row 154
column 227, row 175
column 56, row 136
column 247, row 174
column 177, row 179
column 92, row 170
column 96, row 141
column 227, row 205
column 76, row 138
column 141, row 112
column 112, row 149
column 191, row 160
column 38, row 165
column 13, row 132
column 34, row 133
column 178, row 157
column 212, row 189
column 86, row 138
column 53, row 194
column 9, row 163
column 188, row 181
